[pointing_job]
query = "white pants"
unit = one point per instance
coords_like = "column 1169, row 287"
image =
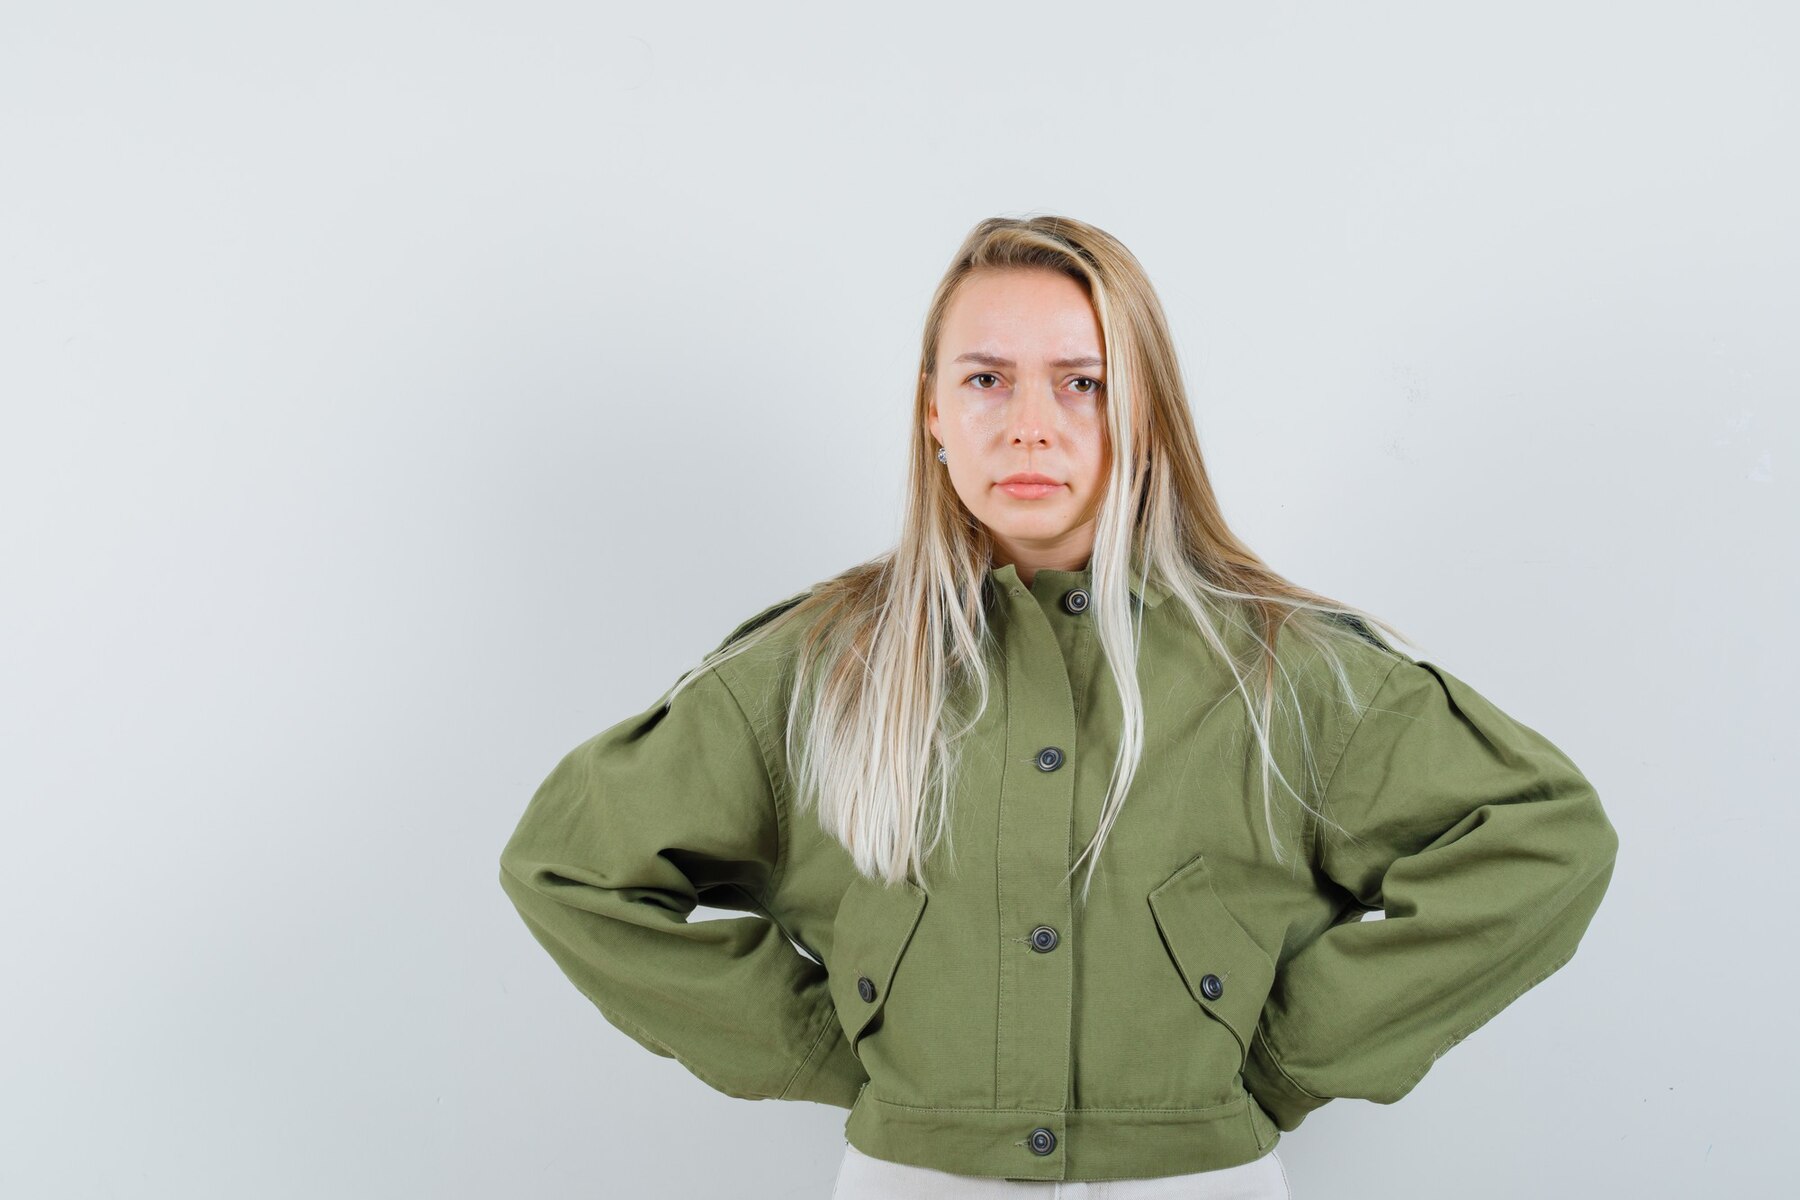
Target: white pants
column 863, row 1177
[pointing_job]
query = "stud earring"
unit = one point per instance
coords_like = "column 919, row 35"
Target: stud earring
column 943, row 455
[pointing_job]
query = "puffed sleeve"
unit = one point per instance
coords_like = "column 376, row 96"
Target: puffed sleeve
column 1488, row 851
column 665, row 810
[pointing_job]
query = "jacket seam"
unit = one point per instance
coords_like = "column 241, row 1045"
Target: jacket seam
column 1275, row 1061
column 779, row 871
column 1221, row 1109
column 812, row 1052
column 1003, row 789
column 1316, row 854
column 1340, row 752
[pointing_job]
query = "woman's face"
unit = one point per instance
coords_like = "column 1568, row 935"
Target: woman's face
column 1018, row 390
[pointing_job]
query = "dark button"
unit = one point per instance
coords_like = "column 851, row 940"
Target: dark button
column 1212, row 986
column 866, row 989
column 1042, row 1141
column 1043, row 939
column 1075, row 600
column 1049, row 758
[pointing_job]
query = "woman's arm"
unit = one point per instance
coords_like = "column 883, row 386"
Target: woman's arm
column 1489, row 852
column 665, row 810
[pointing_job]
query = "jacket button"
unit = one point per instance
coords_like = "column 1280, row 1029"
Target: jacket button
column 1075, row 600
column 1043, row 939
column 1049, row 758
column 866, row 989
column 1212, row 986
column 1042, row 1141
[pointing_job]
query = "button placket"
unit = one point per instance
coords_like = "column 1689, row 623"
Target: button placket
column 1036, row 803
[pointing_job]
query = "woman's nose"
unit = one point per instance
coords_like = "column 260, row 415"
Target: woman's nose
column 1031, row 419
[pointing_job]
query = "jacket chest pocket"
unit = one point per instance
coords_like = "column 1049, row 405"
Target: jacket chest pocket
column 1225, row 970
column 873, row 927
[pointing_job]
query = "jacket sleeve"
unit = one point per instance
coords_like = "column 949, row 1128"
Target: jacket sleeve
column 665, row 810
column 1489, row 852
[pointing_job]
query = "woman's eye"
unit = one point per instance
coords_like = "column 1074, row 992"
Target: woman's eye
column 1087, row 391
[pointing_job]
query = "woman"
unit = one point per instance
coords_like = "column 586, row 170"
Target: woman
column 1069, row 664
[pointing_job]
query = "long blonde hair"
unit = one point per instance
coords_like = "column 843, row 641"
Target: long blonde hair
column 872, row 737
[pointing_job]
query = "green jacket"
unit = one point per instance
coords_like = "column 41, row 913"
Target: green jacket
column 1206, row 999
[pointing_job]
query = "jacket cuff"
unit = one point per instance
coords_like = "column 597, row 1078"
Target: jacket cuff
column 1286, row 1102
column 830, row 1074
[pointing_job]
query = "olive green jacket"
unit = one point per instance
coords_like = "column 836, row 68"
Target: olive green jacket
column 1204, row 1000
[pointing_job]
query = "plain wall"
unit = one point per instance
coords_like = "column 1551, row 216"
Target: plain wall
column 396, row 394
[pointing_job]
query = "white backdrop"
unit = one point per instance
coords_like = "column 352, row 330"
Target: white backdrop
column 396, row 394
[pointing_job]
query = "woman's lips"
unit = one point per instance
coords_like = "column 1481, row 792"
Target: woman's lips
column 1029, row 491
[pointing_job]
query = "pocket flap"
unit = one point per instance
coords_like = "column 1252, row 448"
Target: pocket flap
column 874, row 925
column 1224, row 968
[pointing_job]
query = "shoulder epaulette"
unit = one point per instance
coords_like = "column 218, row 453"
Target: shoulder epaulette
column 1361, row 628
column 762, row 618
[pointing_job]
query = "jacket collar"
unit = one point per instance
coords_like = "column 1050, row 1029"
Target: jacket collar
column 1000, row 579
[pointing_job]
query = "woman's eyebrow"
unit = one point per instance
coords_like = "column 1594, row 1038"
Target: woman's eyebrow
column 994, row 360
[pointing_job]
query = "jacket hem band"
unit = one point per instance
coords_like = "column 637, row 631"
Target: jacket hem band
column 1091, row 1143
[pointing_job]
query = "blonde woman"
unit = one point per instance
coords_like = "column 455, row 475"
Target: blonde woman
column 1057, row 822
